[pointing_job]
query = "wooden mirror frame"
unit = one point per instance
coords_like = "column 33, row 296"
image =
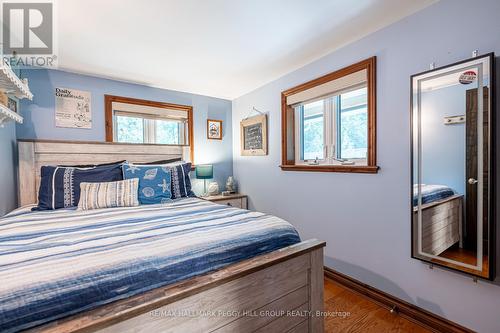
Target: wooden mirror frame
column 289, row 164
column 108, row 112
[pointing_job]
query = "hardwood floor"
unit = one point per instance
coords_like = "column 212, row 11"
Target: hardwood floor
column 352, row 313
column 465, row 256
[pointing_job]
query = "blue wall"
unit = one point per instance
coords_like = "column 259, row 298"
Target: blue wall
column 39, row 120
column 365, row 219
column 8, row 175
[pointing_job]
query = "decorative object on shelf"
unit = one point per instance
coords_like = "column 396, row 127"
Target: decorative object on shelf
column 253, row 136
column 230, row 185
column 4, row 99
column 213, row 188
column 73, row 108
column 214, row 129
column 12, row 104
column 204, row 171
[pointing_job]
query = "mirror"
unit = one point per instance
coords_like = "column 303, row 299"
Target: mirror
column 452, row 223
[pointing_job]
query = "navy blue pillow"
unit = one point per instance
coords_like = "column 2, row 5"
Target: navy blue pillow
column 181, row 183
column 60, row 185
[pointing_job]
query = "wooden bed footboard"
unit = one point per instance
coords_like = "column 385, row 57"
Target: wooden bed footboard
column 441, row 224
column 277, row 292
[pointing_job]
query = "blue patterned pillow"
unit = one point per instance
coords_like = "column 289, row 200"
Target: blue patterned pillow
column 60, row 186
column 154, row 182
column 181, row 183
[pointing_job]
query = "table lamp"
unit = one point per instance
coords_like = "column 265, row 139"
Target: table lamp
column 204, row 171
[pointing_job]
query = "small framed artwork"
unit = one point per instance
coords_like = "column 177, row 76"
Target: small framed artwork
column 12, row 104
column 253, row 135
column 214, row 129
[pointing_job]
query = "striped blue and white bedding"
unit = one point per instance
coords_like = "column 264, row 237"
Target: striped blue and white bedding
column 57, row 263
column 431, row 193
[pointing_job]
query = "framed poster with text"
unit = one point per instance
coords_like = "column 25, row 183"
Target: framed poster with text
column 73, row 108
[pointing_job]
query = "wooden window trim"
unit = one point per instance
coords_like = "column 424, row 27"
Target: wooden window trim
column 108, row 113
column 371, row 167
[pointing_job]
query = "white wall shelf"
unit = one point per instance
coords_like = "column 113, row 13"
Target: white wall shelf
column 6, row 114
column 11, row 84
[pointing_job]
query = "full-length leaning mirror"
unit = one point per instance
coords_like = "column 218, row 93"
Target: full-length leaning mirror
column 452, row 222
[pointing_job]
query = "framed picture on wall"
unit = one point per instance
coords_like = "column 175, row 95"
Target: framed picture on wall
column 73, row 108
column 12, row 104
column 253, row 136
column 214, row 129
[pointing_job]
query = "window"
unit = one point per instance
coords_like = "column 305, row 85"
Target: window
column 353, row 125
column 343, row 136
column 329, row 122
column 131, row 128
column 312, row 138
column 131, row 120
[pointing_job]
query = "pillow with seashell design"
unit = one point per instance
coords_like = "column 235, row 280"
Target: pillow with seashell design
column 154, row 182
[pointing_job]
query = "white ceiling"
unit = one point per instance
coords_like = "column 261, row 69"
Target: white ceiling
column 221, row 48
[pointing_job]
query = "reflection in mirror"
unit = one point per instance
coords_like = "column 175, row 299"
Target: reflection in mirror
column 451, row 160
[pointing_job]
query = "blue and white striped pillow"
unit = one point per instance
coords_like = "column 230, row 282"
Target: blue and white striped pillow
column 123, row 193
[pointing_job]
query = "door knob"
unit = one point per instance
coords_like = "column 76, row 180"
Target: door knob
column 472, row 181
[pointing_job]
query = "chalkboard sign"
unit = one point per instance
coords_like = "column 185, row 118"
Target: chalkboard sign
column 254, row 136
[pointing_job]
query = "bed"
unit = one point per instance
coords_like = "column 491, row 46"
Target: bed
column 441, row 217
column 186, row 266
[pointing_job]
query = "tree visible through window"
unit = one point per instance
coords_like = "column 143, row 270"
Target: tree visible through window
column 136, row 128
column 139, row 121
column 312, row 119
column 353, row 124
column 345, row 119
column 145, row 130
column 167, row 132
column 129, row 129
column 328, row 123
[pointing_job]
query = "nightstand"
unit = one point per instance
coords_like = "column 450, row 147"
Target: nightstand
column 235, row 200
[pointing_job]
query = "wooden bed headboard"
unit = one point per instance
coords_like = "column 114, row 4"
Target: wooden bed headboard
column 33, row 154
